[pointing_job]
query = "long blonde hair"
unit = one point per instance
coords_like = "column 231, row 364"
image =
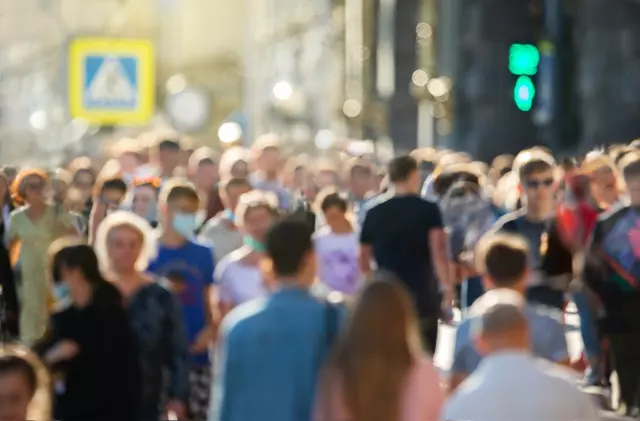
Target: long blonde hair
column 375, row 352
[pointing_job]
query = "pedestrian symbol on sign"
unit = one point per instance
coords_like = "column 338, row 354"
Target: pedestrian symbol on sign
column 110, row 82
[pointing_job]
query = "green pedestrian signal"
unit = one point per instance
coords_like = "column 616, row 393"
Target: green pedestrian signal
column 523, row 93
column 524, row 59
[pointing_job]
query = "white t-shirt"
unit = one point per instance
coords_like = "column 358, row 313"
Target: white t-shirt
column 238, row 282
column 337, row 256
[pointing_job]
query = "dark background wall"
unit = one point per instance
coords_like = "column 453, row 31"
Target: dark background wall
column 403, row 108
column 599, row 76
column 607, row 37
column 488, row 121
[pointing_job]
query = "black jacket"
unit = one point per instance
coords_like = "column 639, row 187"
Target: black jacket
column 9, row 298
column 103, row 382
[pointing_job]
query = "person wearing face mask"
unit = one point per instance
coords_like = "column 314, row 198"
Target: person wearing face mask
column 222, row 230
column 239, row 275
column 189, row 264
column 33, row 228
column 90, row 346
column 468, row 215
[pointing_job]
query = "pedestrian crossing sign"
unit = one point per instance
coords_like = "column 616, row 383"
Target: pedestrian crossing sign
column 111, row 81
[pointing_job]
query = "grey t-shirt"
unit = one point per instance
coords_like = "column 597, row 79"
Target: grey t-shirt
column 548, row 338
column 224, row 238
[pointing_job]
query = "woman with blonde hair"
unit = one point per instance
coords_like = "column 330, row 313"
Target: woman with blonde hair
column 33, row 228
column 240, row 274
column 124, row 246
column 606, row 183
column 378, row 370
column 25, row 385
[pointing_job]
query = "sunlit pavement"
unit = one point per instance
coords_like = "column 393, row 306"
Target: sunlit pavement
column 446, row 340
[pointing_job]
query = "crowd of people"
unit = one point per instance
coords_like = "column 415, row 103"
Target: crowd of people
column 243, row 286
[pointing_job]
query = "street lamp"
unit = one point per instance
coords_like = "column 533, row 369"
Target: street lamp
column 229, row 132
column 282, row 90
column 39, row 120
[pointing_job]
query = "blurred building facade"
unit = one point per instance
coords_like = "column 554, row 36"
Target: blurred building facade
column 200, row 39
column 293, row 67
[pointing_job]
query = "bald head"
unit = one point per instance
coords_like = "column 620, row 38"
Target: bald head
column 501, row 323
column 502, row 319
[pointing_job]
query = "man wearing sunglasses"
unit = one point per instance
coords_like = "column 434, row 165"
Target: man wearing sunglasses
column 551, row 262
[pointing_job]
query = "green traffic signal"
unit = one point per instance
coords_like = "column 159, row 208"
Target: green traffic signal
column 523, row 93
column 524, row 59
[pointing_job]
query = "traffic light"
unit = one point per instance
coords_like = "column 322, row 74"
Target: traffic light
column 524, row 60
column 523, row 93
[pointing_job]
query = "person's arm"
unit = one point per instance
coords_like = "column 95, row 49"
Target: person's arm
column 439, row 246
column 177, row 362
column 208, row 332
column 223, row 293
column 593, row 265
column 366, row 241
column 465, row 357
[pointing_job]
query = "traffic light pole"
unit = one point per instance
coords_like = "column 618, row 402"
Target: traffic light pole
column 548, row 114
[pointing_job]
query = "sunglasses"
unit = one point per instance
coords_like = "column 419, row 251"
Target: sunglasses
column 34, row 186
column 534, row 184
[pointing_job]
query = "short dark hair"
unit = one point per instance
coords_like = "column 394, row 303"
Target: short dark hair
column 401, row 168
column 504, row 257
column 10, row 171
column 112, row 183
column 176, row 190
column 72, row 253
column 536, row 161
column 333, row 199
column 169, row 145
column 234, row 182
column 12, row 363
column 288, row 242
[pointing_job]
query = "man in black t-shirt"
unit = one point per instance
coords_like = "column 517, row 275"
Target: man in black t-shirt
column 404, row 235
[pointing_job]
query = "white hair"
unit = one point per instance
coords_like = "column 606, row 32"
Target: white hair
column 130, row 220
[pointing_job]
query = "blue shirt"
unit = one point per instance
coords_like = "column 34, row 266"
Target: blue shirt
column 548, row 338
column 189, row 268
column 275, row 187
column 271, row 351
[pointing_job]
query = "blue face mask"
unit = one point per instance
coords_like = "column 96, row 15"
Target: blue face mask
column 254, row 244
column 185, row 224
column 229, row 215
column 61, row 292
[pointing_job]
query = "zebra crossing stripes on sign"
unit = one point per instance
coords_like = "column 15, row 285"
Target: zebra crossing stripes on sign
column 111, row 81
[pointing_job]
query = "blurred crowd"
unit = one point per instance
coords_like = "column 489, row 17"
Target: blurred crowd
column 249, row 285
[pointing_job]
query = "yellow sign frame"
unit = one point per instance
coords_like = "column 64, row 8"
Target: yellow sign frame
column 142, row 50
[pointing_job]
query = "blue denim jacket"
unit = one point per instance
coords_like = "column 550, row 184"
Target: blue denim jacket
column 270, row 353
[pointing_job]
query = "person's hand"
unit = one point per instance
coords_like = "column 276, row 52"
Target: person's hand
column 202, row 342
column 62, row 351
column 177, row 408
column 446, row 307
